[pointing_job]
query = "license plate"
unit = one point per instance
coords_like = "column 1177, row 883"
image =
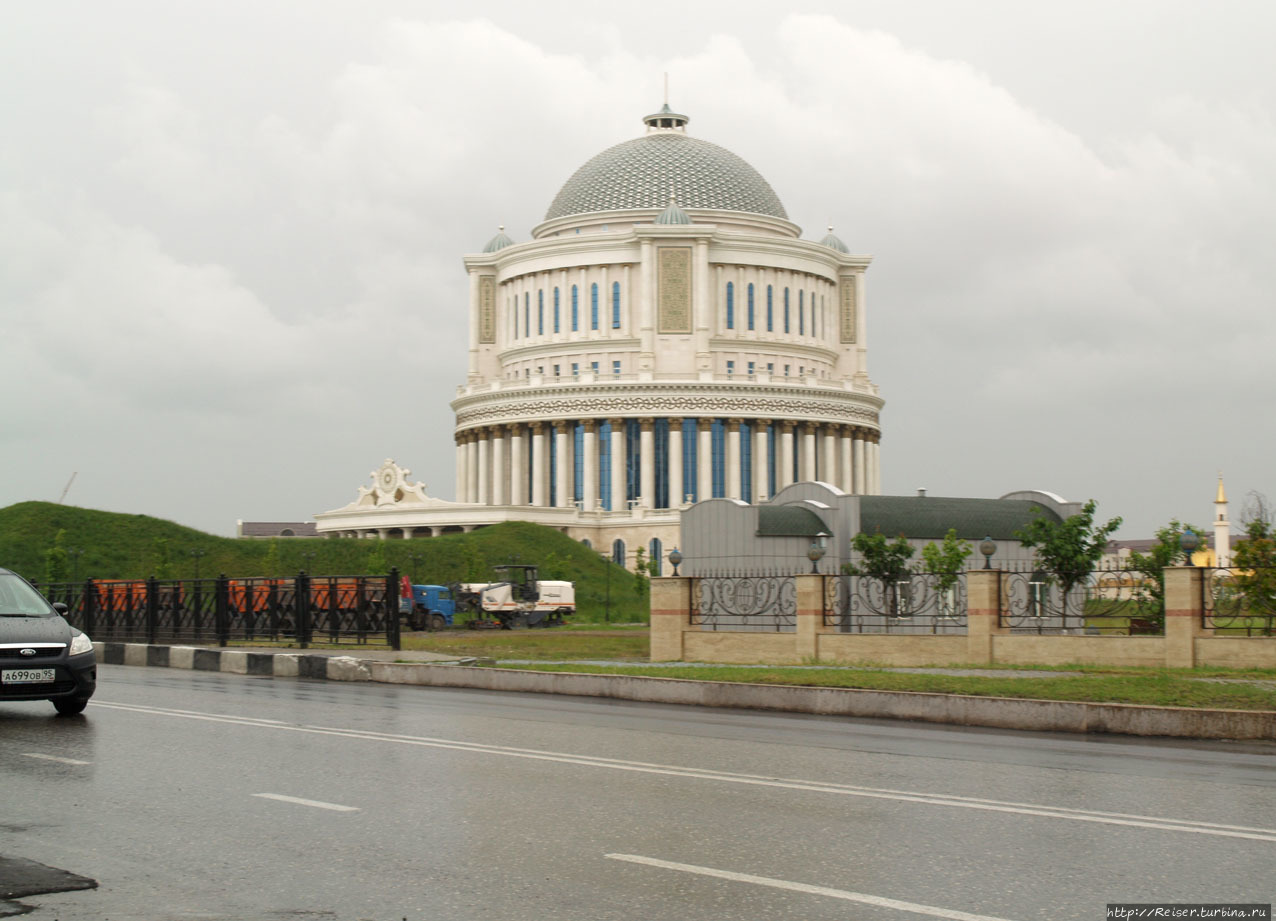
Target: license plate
column 26, row 675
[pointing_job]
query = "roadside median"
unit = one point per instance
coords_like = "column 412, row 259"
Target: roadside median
column 432, row 670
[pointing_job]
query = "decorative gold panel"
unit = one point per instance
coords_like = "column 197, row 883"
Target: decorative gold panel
column 487, row 309
column 846, row 307
column 673, row 267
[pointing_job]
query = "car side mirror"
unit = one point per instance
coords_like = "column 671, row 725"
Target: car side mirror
column 60, row 607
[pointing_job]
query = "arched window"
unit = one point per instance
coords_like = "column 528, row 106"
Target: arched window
column 540, row 312
column 730, row 305
column 770, row 310
column 615, row 305
column 575, row 309
column 786, row 310
column 585, row 542
column 750, row 305
column 593, row 306
column 655, row 550
column 527, row 313
column 618, row 552
column 555, row 310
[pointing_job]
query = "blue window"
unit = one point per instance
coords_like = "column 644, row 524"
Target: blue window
column 618, row 552
column 555, row 310
column 718, row 448
column 770, row 460
column 730, row 368
column 578, row 462
column 633, row 459
column 689, row 478
column 553, row 460
column 770, row 311
column 575, row 309
column 746, row 462
column 604, row 465
column 750, row 369
column 593, row 306
column 750, row 305
column 660, row 432
column 575, row 369
column 656, row 552
column 593, row 366
column 615, row 368
column 527, row 313
column 540, row 312
column 786, row 310
column 801, row 313
column 730, row 305
column 615, row 305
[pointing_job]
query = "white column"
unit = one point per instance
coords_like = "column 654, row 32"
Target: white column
column 618, row 482
column 859, row 462
column 704, row 459
column 732, row 459
column 808, row 453
column 828, row 473
column 484, row 469
column 784, row 457
column 540, row 465
column 676, row 491
column 500, row 480
column 471, row 467
column 562, row 464
column 589, row 494
column 877, row 467
column 761, row 468
column 647, row 462
column 518, row 467
column 461, row 470
column 845, row 481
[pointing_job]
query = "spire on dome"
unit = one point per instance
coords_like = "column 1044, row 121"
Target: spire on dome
column 1221, row 499
column 498, row 242
column 673, row 214
column 666, row 120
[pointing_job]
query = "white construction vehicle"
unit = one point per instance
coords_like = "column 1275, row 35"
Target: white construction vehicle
column 520, row 600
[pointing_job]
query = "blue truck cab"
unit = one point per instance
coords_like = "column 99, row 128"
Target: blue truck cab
column 431, row 607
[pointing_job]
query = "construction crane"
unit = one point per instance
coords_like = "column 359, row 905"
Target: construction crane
column 67, row 487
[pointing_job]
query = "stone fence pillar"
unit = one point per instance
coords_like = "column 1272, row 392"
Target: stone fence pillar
column 670, row 617
column 1184, row 614
column 983, row 613
column 810, row 614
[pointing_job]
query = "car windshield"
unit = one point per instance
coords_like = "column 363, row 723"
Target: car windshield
column 18, row 599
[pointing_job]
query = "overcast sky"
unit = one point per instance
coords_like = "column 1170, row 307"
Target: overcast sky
column 231, row 232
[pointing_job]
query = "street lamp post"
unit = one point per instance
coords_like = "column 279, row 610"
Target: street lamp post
column 195, row 555
column 816, row 551
column 75, row 563
column 987, row 547
column 675, row 557
column 1189, row 540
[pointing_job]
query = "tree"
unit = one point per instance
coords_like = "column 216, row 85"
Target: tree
column 946, row 560
column 1068, row 549
column 55, row 559
column 1254, row 564
column 377, row 565
column 162, row 559
column 641, row 572
column 1165, row 552
column 272, row 564
column 880, row 558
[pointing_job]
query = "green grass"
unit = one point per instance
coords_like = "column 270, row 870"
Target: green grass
column 1166, row 689
column 120, row 546
column 554, row 643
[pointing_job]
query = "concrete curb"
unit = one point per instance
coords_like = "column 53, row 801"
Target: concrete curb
column 994, row 712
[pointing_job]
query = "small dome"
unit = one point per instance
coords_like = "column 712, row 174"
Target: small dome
column 832, row 241
column 498, row 242
column 673, row 214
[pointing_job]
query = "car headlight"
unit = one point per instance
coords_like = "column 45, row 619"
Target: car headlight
column 80, row 644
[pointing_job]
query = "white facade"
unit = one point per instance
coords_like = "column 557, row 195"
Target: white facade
column 634, row 357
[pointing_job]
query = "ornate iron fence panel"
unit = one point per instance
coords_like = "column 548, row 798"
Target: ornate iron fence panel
column 745, row 603
column 916, row 603
column 1239, row 602
column 1108, row 601
column 334, row 609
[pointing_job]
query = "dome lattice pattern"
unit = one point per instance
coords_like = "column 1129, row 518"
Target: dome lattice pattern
column 642, row 173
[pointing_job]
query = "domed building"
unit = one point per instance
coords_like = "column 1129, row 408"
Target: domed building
column 664, row 337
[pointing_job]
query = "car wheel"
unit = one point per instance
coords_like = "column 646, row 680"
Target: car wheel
column 438, row 622
column 70, row 706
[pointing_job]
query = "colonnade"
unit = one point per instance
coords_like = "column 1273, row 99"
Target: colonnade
column 668, row 463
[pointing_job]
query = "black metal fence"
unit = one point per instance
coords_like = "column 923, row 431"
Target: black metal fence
column 1098, row 602
column 303, row 610
column 745, row 603
column 1239, row 602
column 913, row 602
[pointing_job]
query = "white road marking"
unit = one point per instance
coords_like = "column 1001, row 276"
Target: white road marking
column 814, row 786
column 875, row 900
column 57, row 758
column 318, row 804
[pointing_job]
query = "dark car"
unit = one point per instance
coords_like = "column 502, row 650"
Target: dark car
column 42, row 657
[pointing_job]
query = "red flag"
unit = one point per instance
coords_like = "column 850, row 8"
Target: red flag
column 405, row 588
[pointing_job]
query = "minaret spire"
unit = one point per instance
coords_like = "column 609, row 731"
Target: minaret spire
column 1222, row 527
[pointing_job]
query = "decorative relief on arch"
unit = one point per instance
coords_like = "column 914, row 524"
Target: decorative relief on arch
column 487, row 309
column 673, row 284
column 846, row 307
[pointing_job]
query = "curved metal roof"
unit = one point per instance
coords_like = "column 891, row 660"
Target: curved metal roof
column 930, row 517
column 640, row 173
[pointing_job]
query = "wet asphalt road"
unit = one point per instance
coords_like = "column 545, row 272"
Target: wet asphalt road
column 193, row 795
